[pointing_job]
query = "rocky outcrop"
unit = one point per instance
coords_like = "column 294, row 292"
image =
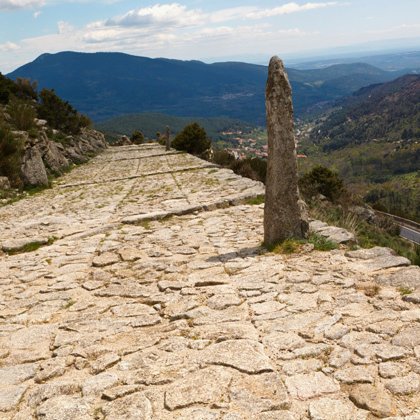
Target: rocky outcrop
column 43, row 157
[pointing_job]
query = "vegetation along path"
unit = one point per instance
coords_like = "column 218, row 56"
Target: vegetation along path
column 136, row 288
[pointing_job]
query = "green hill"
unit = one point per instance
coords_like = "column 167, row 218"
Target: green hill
column 104, row 85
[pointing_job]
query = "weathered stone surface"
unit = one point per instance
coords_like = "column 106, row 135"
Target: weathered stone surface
column 245, row 355
column 4, row 183
column 312, row 385
column 408, row 337
column 10, row 396
column 184, row 296
column 203, row 387
column 374, row 399
column 282, row 215
column 253, row 395
column 404, row 386
column 406, row 277
column 107, row 258
column 326, row 409
column 134, row 406
column 64, row 408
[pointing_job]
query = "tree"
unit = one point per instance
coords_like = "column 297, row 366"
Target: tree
column 60, row 114
column 192, row 139
column 321, row 180
column 137, row 137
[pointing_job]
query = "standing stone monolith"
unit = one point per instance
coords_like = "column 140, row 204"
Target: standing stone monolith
column 282, row 213
column 168, row 138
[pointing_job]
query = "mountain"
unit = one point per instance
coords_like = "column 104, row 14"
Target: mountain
column 104, row 85
column 389, row 112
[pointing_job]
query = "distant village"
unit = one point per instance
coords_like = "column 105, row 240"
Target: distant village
column 254, row 143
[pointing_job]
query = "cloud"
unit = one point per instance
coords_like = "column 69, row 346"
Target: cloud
column 286, row 9
column 173, row 14
column 8, row 46
column 37, row 14
column 20, row 4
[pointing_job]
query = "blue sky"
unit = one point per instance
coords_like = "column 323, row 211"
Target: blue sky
column 197, row 29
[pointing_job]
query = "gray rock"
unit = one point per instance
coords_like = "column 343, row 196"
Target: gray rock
column 282, row 215
column 16, row 245
column 15, row 375
column 107, row 258
column 33, row 168
column 354, row 375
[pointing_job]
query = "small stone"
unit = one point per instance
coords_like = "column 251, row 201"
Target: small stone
column 336, row 332
column 105, row 259
column 64, row 408
column 267, row 307
column 327, row 409
column 301, row 366
column 50, row 369
column 373, row 398
column 254, row 394
column 119, row 392
column 339, row 357
column 244, row 355
column 354, row 375
column 306, row 386
column 95, row 385
column 130, row 254
column 221, row 302
column 146, row 321
column 407, row 385
column 391, row 369
column 409, row 337
column 389, row 352
column 10, row 396
column 104, row 362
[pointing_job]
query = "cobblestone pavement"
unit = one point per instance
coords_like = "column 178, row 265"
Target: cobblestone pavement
column 152, row 299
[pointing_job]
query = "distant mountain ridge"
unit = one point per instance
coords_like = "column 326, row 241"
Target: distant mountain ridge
column 104, row 85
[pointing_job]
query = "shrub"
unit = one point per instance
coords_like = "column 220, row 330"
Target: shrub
column 60, row 114
column 321, row 180
column 137, row 137
column 7, row 89
column 192, row 139
column 11, row 151
column 21, row 114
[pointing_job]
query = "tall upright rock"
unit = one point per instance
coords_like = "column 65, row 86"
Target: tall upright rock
column 282, row 213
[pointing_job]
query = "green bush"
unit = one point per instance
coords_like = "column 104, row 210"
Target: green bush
column 21, row 114
column 321, row 180
column 192, row 139
column 60, row 114
column 137, row 137
column 11, row 151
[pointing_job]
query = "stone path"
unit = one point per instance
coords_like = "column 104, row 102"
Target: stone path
column 130, row 313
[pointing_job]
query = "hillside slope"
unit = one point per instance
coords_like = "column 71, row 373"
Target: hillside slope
column 373, row 141
column 103, row 85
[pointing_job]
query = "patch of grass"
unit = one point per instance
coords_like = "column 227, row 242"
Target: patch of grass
column 321, row 243
column 289, row 246
column 255, row 201
column 404, row 291
column 145, row 224
column 69, row 304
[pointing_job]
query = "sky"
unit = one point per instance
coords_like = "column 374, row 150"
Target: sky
column 196, row 29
